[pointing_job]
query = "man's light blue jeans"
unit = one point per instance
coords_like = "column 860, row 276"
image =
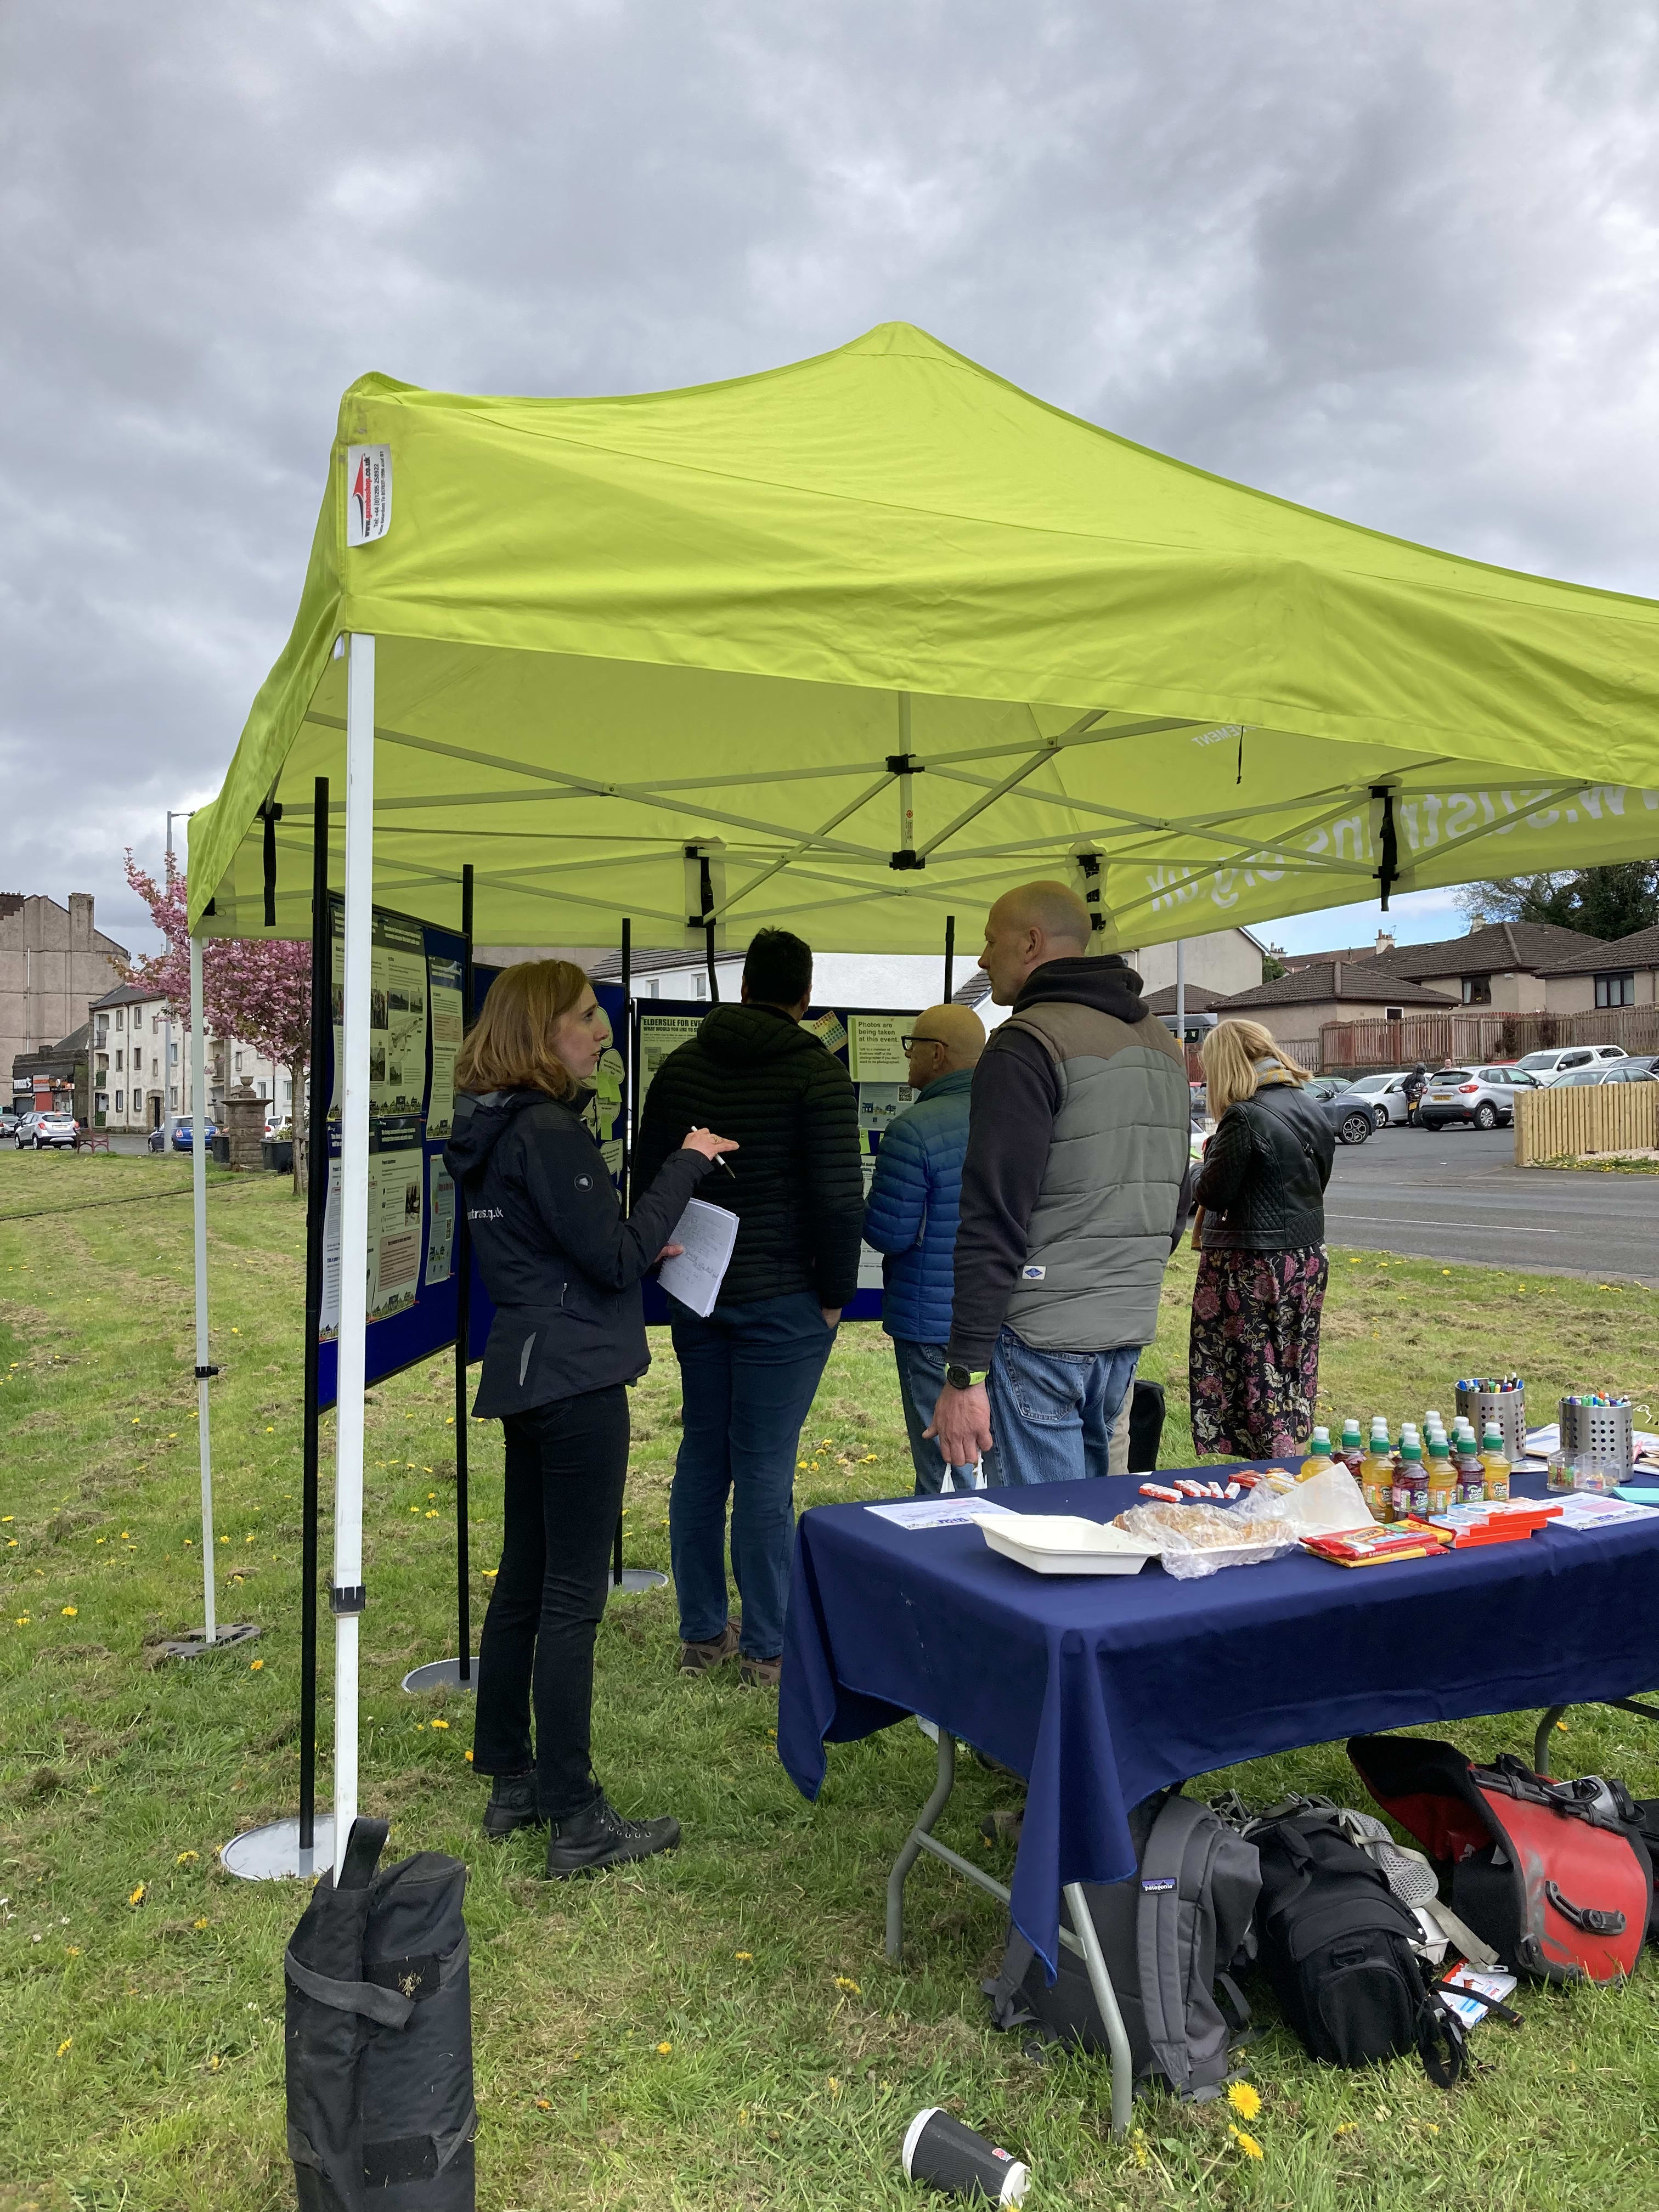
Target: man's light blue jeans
column 1052, row 1412
column 921, row 1378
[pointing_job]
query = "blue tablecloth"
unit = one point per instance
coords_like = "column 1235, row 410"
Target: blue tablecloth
column 1100, row 1689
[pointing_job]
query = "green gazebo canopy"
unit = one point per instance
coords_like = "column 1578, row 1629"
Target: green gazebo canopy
column 862, row 642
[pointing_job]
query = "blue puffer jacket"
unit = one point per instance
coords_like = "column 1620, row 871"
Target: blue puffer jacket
column 915, row 1195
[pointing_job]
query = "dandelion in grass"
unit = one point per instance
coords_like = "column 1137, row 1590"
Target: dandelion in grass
column 834, row 2086
column 256, row 1666
column 469, row 1759
column 1245, row 2100
column 441, row 1724
column 138, row 1896
column 842, row 1981
column 747, row 1958
column 71, row 1611
column 198, row 1925
column 543, row 2103
column 1247, row 2144
column 665, row 2049
column 65, row 2044
column 22, row 1620
column 185, row 1858
column 71, row 1950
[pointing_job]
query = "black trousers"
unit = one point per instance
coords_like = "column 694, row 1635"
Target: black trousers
column 566, row 1466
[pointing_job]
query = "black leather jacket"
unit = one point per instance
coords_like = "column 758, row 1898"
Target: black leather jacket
column 1262, row 1184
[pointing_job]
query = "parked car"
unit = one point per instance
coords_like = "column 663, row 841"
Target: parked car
column 1645, row 1070
column 41, row 1133
column 182, row 1140
column 1550, row 1067
column 1483, row 1096
column 1351, row 1114
column 1385, row 1094
column 10, row 1120
column 1620, row 1071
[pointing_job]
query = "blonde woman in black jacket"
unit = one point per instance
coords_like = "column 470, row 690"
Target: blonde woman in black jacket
column 563, row 1268
column 1253, row 1357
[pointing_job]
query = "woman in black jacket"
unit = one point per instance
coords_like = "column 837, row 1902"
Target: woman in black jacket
column 1253, row 1358
column 563, row 1268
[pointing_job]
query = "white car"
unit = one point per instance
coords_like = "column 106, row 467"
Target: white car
column 1385, row 1094
column 1550, row 1067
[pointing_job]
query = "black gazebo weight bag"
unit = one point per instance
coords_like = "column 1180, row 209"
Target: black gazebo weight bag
column 380, row 2037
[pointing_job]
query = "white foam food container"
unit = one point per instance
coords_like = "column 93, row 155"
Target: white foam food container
column 1066, row 1544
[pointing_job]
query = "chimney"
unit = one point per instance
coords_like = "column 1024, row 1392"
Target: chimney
column 1384, row 941
column 1336, row 979
column 80, row 928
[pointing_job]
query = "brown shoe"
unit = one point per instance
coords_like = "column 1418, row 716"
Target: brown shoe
column 761, row 1673
column 703, row 1658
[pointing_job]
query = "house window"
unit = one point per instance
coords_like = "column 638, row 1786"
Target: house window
column 702, row 987
column 174, row 1055
column 1477, row 990
column 239, row 1063
column 117, row 1063
column 119, row 1108
column 120, row 1018
column 1616, row 990
column 1394, row 1013
column 172, row 1098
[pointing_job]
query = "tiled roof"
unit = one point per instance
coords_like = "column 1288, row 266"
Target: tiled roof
column 1639, row 950
column 1366, row 985
column 1199, row 999
column 129, row 994
column 1527, row 947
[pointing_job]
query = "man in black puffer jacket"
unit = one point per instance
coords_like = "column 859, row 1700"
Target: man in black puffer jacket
column 749, row 1372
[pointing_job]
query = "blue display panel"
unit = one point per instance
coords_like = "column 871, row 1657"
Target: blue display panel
column 412, row 1202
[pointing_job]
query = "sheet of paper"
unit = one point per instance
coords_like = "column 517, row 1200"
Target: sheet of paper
column 880, row 1105
column 709, row 1233
column 828, row 1029
column 874, row 1054
column 604, row 1108
column 1585, row 1510
column 440, row 1240
column 937, row 1512
column 659, row 1034
column 397, row 1206
column 870, row 1261
column 443, row 980
column 329, row 1320
column 396, row 1016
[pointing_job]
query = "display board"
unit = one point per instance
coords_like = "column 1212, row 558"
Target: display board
column 414, row 1031
column 865, row 1041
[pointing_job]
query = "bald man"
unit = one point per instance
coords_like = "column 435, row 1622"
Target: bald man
column 911, row 1218
column 1077, row 1145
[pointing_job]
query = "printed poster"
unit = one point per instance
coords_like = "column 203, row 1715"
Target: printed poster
column 659, row 1034
column 396, row 1174
column 329, row 1324
column 443, row 983
column 874, row 1054
column 828, row 1029
column 396, row 1017
column 604, row 1109
column 440, row 1242
column 880, row 1105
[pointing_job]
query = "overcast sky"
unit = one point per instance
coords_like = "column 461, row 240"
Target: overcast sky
column 1399, row 262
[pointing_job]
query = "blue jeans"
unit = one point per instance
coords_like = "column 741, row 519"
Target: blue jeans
column 921, row 1378
column 748, row 1376
column 1052, row 1412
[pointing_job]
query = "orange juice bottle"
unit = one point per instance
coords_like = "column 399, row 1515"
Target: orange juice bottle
column 1319, row 1456
column 1376, row 1474
column 1496, row 1465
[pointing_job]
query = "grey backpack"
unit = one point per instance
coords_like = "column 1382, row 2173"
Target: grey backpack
column 1170, row 1936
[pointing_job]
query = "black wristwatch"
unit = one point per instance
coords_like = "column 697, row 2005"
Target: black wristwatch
column 962, row 1378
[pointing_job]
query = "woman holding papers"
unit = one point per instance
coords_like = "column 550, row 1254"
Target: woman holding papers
column 563, row 1267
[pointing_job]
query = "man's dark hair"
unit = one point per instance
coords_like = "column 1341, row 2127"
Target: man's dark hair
column 777, row 968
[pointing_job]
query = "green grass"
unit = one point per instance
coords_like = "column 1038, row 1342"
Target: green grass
column 141, row 2061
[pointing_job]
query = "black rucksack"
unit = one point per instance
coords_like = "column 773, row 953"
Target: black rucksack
column 380, row 2037
column 1169, row 1935
column 1337, row 1947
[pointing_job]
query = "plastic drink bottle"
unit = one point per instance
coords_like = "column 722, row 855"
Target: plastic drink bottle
column 1319, row 1456
column 1471, row 1474
column 1376, row 1475
column 1443, row 1477
column 1351, row 1451
column 1495, row 1466
column 1411, row 1484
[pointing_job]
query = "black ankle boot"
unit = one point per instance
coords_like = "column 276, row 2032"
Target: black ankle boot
column 599, row 1837
column 512, row 1805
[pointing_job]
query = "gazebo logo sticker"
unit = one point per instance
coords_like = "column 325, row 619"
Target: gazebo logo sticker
column 368, row 493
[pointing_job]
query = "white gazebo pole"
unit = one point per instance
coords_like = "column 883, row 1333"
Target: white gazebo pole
column 1181, row 996
column 347, row 1596
column 198, row 1193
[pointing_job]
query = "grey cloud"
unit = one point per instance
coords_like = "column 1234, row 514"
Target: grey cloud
column 1399, row 263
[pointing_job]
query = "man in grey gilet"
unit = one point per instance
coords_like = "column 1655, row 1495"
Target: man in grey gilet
column 1077, row 1139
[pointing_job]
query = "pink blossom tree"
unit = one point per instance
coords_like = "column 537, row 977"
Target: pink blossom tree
column 257, row 990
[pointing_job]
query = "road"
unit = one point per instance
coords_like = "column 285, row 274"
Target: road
column 1457, row 1195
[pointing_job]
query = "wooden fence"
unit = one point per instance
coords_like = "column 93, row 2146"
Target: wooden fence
column 1463, row 1040
column 1591, row 1117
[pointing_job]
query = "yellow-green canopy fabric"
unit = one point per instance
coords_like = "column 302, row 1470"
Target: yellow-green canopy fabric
column 878, row 635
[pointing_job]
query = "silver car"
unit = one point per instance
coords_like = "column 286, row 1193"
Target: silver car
column 1561, row 1060
column 1483, row 1096
column 1385, row 1094
column 1617, row 1071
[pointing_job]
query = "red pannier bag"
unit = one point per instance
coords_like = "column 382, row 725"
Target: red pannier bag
column 1553, row 1874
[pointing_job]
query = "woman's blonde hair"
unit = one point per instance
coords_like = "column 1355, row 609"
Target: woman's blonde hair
column 1230, row 1053
column 510, row 1046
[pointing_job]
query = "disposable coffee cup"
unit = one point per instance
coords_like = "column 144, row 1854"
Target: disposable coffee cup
column 941, row 2151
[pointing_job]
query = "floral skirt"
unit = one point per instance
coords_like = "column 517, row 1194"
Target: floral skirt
column 1253, row 1357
